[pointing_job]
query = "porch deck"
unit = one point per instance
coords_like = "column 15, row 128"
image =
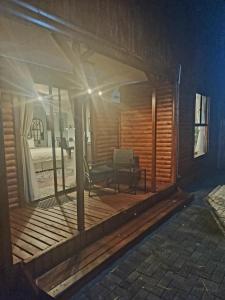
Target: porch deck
column 35, row 229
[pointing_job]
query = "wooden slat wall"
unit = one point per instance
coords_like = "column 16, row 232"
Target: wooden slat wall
column 165, row 138
column 136, row 128
column 10, row 149
column 105, row 122
column 136, row 124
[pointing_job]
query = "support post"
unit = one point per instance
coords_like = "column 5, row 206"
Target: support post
column 85, row 128
column 53, row 142
column 175, row 129
column 78, row 109
column 154, row 132
column 6, row 260
column 61, row 138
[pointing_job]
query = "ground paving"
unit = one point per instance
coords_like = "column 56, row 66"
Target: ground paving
column 183, row 259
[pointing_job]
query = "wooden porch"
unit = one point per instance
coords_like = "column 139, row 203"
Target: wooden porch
column 44, row 235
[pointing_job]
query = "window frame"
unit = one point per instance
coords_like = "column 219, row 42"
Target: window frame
column 202, row 124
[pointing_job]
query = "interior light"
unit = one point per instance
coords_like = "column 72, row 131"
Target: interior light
column 40, row 98
column 100, row 93
column 89, row 91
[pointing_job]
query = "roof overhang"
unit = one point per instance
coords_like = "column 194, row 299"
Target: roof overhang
column 30, row 53
column 21, row 10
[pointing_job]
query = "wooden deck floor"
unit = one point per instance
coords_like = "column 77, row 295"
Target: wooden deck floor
column 61, row 281
column 34, row 229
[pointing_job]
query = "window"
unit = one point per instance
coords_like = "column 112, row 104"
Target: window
column 201, row 125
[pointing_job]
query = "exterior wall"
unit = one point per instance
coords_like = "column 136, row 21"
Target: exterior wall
column 196, row 34
column 136, row 124
column 136, row 128
column 10, row 148
column 165, row 134
column 105, row 129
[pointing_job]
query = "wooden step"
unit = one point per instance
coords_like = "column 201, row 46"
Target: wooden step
column 65, row 278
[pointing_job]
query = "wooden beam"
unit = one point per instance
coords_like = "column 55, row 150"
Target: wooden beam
column 78, row 121
column 154, row 133
column 5, row 236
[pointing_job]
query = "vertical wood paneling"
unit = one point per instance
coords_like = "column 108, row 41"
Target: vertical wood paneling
column 105, row 122
column 10, row 149
column 136, row 128
column 164, row 128
column 136, row 124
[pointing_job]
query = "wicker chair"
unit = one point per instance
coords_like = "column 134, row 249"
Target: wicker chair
column 126, row 168
column 98, row 173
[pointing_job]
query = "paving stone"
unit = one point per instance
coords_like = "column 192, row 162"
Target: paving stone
column 220, row 293
column 135, row 286
column 198, row 291
column 133, row 276
column 207, row 296
column 218, row 274
column 156, row 290
column 169, row 294
column 141, row 294
column 152, row 297
column 121, row 292
column 108, row 283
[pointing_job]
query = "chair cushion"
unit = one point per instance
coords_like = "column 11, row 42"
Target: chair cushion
column 101, row 169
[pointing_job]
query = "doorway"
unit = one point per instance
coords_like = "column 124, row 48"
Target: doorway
column 52, row 142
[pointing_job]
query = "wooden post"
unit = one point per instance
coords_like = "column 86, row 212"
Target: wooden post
column 175, row 134
column 154, row 129
column 74, row 57
column 61, row 138
column 91, row 107
column 6, row 260
column 79, row 161
column 85, row 128
column 53, row 141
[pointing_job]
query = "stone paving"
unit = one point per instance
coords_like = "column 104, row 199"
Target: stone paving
column 183, row 259
column 217, row 201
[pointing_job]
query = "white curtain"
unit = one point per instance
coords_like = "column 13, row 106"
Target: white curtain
column 29, row 178
column 71, row 133
column 201, row 142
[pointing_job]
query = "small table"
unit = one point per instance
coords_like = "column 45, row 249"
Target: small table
column 134, row 174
